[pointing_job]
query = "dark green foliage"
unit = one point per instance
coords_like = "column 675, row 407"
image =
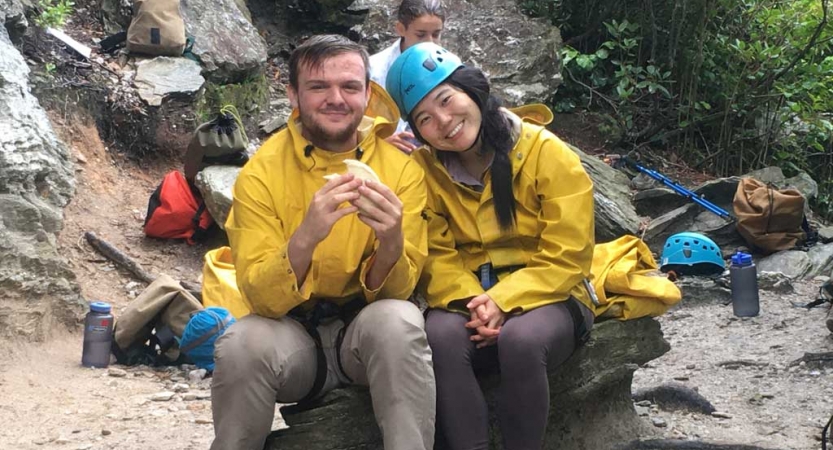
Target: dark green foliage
column 731, row 85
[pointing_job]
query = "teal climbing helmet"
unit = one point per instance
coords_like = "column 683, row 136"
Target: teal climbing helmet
column 416, row 72
column 691, row 254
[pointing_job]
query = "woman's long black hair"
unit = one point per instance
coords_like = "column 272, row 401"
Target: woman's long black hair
column 496, row 136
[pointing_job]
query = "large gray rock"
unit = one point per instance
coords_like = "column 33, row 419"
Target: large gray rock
column 701, row 291
column 229, row 46
column 37, row 289
column 519, row 54
column 821, row 260
column 658, row 201
column 805, row 184
column 590, row 399
column 615, row 215
column 163, row 76
column 215, row 184
column 792, row 263
column 692, row 217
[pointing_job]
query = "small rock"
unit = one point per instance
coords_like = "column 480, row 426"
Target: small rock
column 62, row 441
column 106, row 432
column 644, row 403
column 203, row 395
column 642, row 411
column 86, row 446
column 117, row 373
column 659, row 422
column 162, row 396
column 721, row 415
column 195, row 406
column 681, row 378
column 189, row 397
column 181, row 387
column 76, row 431
column 195, row 376
column 690, row 366
column 202, row 421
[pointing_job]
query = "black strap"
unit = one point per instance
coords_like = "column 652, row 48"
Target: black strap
column 310, row 321
column 582, row 334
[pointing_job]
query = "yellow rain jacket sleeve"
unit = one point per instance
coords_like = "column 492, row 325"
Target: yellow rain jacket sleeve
column 627, row 281
column 554, row 235
column 272, row 195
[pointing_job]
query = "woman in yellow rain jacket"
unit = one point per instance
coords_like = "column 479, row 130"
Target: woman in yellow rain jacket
column 510, row 213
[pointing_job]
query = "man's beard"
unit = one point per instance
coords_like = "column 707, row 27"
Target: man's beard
column 324, row 139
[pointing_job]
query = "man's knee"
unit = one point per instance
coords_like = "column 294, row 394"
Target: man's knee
column 257, row 341
column 393, row 323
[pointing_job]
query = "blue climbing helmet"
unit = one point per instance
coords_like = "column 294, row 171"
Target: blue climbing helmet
column 691, row 254
column 416, row 72
column 202, row 330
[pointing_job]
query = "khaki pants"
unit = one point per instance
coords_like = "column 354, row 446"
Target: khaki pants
column 260, row 361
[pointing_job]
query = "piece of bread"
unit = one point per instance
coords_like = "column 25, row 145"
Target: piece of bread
column 361, row 170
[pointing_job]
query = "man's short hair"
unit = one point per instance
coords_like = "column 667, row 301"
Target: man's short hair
column 315, row 50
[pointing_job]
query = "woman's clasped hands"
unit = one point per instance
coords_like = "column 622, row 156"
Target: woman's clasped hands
column 486, row 319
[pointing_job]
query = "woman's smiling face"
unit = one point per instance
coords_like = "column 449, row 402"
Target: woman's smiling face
column 448, row 119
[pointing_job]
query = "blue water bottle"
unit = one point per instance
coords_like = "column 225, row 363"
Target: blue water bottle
column 744, row 278
column 98, row 333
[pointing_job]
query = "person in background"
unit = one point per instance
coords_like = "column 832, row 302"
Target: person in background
column 510, row 246
column 327, row 277
column 416, row 21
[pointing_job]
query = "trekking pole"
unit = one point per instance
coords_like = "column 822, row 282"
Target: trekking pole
column 676, row 187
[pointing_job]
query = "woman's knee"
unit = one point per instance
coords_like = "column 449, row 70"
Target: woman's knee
column 447, row 333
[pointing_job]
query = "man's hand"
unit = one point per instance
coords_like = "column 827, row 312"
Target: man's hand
column 383, row 214
column 403, row 141
column 323, row 213
column 486, row 318
column 324, row 209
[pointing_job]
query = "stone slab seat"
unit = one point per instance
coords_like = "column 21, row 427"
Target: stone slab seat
column 590, row 397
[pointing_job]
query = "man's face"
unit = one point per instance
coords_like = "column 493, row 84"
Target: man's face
column 331, row 101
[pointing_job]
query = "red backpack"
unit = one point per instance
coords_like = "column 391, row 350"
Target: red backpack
column 176, row 210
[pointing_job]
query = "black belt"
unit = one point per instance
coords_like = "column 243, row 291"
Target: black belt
column 310, row 320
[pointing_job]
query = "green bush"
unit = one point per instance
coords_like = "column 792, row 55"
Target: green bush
column 54, row 13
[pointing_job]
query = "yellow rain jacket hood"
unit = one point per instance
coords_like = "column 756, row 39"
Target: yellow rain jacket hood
column 271, row 198
column 628, row 283
column 554, row 235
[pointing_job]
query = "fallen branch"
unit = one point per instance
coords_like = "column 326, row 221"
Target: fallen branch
column 126, row 262
column 819, row 358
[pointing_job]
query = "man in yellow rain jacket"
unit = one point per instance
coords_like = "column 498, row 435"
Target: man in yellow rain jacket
column 307, row 251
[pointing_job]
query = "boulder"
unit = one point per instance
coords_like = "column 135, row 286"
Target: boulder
column 593, row 387
column 792, row 263
column 657, row 201
column 163, row 77
column 519, row 54
column 615, row 215
column 215, row 184
column 692, row 217
column 821, row 260
column 37, row 287
column 229, row 47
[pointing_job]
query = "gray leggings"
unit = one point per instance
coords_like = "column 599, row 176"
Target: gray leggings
column 528, row 346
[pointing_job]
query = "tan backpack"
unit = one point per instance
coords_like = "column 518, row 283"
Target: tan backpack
column 769, row 219
column 157, row 28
